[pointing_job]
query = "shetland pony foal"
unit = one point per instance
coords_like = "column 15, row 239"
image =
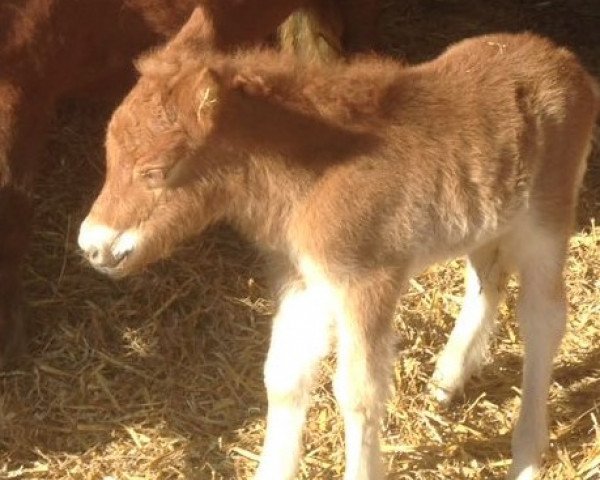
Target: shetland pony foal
column 362, row 174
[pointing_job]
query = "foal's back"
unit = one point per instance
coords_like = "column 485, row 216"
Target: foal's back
column 495, row 130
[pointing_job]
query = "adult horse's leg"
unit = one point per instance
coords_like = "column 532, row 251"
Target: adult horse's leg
column 49, row 50
column 15, row 226
column 23, row 124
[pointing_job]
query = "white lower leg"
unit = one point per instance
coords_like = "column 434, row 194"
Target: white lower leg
column 361, row 386
column 300, row 339
column 542, row 314
column 362, row 447
column 467, row 346
column 282, row 446
column 362, row 425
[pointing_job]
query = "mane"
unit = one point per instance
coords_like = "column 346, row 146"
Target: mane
column 343, row 92
column 347, row 93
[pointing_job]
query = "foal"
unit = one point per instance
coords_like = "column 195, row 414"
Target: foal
column 361, row 175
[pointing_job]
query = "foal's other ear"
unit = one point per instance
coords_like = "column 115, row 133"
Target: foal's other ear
column 230, row 77
column 251, row 84
column 198, row 30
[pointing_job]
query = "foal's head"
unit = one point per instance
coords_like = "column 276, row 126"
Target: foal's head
column 161, row 166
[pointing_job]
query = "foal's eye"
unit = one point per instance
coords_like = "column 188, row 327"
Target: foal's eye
column 154, row 177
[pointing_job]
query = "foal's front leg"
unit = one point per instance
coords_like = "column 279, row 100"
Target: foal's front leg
column 364, row 370
column 542, row 315
column 300, row 339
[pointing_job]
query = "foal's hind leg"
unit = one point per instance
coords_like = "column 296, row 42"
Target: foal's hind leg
column 486, row 276
column 300, row 339
column 542, row 313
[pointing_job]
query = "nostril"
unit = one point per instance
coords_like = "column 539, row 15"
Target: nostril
column 93, row 253
column 118, row 256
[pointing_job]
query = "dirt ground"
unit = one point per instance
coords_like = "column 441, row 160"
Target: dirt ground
column 160, row 376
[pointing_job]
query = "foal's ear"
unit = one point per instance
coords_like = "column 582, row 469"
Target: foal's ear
column 198, row 30
column 208, row 93
column 160, row 67
column 155, row 64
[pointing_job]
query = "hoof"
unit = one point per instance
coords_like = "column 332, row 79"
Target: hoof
column 522, row 473
column 441, row 396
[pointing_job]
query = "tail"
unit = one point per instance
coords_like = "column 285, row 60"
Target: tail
column 314, row 32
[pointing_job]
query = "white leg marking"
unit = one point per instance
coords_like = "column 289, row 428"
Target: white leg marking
column 542, row 312
column 361, row 383
column 467, row 346
column 300, row 339
column 361, row 392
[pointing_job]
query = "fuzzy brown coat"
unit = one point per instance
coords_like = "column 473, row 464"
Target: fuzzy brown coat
column 360, row 175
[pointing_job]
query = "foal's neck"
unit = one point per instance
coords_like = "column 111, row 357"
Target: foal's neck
column 293, row 132
column 263, row 196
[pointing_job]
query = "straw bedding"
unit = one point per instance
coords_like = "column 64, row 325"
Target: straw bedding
column 160, row 376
